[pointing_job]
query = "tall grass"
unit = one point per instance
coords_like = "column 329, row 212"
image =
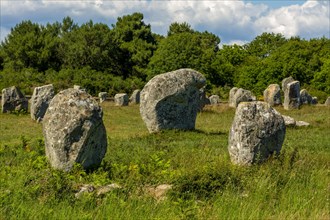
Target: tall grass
column 294, row 185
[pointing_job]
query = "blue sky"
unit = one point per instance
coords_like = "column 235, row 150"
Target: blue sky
column 234, row 21
column 278, row 3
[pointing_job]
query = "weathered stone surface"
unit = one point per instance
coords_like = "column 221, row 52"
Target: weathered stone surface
column 257, row 131
column 135, row 97
column 305, row 97
column 214, row 99
column 302, row 124
column 327, row 102
column 74, row 131
column 231, row 97
column 292, row 96
column 289, row 121
column 40, row 100
column 121, row 99
column 171, row 100
column 242, row 95
column 272, row 95
column 158, row 192
column 285, row 82
column 103, row 96
column 13, row 100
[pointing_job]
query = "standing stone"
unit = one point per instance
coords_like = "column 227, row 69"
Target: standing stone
column 13, row 100
column 103, row 96
column 242, row 95
column 285, row 82
column 272, row 95
column 231, row 97
column 314, row 100
column 135, row 97
column 121, row 99
column 73, row 130
column 171, row 100
column 292, row 96
column 214, row 99
column 305, row 97
column 257, row 132
column 40, row 100
column 327, row 102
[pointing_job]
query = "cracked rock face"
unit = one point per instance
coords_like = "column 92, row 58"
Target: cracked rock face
column 40, row 101
column 257, row 132
column 74, row 131
column 172, row 100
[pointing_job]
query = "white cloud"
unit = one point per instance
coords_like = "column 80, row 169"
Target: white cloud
column 232, row 21
column 308, row 20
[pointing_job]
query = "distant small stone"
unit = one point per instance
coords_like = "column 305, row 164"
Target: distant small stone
column 159, row 192
column 103, row 96
column 135, row 97
column 74, row 131
column 13, row 100
column 257, row 132
column 121, row 99
column 292, row 96
column 305, row 97
column 40, row 101
column 232, row 102
column 285, row 82
column 272, row 95
column 289, row 121
column 242, row 95
column 106, row 189
column 214, row 99
column 314, row 100
column 302, row 124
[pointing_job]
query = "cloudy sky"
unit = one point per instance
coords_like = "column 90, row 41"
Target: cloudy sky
column 234, row 21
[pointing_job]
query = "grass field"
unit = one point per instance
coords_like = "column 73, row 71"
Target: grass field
column 295, row 185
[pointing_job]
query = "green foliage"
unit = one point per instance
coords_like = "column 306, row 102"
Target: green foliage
column 184, row 50
column 137, row 42
column 123, row 56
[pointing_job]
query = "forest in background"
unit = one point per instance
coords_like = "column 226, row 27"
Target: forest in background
column 125, row 55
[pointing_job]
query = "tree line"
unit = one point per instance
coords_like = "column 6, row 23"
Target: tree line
column 125, row 55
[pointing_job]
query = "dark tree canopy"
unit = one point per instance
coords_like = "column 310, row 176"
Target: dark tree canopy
column 121, row 57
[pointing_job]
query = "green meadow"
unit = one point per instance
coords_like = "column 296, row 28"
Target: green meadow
column 205, row 185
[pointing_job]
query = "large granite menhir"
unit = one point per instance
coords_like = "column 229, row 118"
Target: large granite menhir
column 74, row 131
column 257, row 132
column 172, row 100
column 13, row 100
